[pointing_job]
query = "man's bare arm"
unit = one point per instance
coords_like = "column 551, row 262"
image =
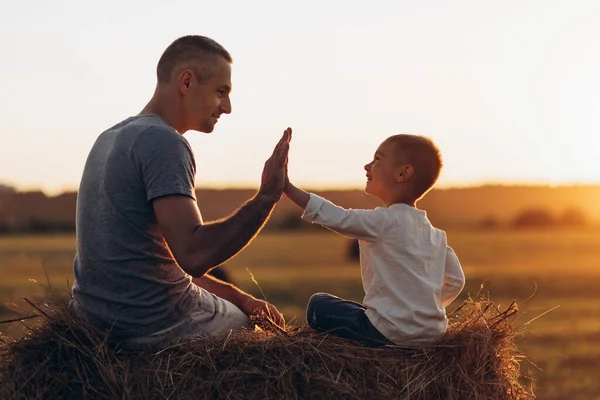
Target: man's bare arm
column 249, row 305
column 198, row 247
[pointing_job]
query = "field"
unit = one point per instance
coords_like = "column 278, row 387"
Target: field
column 553, row 275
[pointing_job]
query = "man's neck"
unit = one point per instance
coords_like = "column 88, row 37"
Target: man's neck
column 158, row 106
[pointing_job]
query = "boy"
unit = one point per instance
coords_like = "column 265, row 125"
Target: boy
column 408, row 271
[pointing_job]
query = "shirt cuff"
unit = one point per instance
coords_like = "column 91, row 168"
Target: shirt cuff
column 175, row 190
column 312, row 207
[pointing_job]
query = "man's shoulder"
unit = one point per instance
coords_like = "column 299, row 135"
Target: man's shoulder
column 144, row 123
column 152, row 132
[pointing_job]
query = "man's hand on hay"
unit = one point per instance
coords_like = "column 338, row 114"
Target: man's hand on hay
column 257, row 308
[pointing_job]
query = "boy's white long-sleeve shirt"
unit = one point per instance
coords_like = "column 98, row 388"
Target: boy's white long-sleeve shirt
column 409, row 273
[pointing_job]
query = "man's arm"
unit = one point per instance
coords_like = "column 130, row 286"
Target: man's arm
column 198, row 247
column 249, row 305
column 454, row 278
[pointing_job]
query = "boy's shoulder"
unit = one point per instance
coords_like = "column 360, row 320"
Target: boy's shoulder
column 405, row 210
column 415, row 217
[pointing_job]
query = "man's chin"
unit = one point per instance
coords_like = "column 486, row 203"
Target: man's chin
column 206, row 128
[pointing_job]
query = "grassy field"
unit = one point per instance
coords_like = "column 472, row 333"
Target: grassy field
column 550, row 271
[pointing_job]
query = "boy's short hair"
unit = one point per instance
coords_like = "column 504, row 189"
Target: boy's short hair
column 425, row 157
column 188, row 49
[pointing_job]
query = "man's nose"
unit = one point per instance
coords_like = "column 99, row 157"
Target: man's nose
column 226, row 105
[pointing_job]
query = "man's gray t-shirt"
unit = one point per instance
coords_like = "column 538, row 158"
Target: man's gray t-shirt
column 126, row 278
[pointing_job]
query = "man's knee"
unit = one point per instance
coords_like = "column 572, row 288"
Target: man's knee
column 241, row 321
column 237, row 319
column 225, row 318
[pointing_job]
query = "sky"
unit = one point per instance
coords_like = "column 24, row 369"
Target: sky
column 510, row 90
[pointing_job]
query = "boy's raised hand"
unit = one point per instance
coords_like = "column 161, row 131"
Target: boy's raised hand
column 274, row 175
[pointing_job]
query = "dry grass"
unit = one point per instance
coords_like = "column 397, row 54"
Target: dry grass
column 61, row 357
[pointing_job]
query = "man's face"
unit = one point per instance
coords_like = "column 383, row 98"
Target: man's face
column 381, row 172
column 205, row 100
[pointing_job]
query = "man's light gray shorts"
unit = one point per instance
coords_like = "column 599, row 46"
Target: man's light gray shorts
column 213, row 316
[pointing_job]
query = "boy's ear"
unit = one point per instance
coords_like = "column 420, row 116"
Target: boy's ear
column 404, row 173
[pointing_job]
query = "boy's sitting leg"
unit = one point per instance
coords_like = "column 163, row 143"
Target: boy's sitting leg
column 344, row 318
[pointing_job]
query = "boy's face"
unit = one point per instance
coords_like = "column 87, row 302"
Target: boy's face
column 382, row 171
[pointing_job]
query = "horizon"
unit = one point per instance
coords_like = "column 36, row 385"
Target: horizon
column 324, row 188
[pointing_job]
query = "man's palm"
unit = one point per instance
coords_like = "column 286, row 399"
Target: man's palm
column 275, row 170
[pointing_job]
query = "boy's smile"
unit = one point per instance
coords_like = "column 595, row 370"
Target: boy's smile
column 381, row 171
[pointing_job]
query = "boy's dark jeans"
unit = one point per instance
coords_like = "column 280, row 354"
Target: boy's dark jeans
column 343, row 318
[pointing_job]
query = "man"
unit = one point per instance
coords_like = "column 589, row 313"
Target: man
column 140, row 235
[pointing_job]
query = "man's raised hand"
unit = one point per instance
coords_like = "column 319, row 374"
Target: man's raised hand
column 274, row 173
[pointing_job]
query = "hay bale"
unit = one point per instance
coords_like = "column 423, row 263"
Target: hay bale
column 62, row 357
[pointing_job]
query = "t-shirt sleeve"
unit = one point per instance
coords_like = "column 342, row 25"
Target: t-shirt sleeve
column 166, row 163
column 358, row 224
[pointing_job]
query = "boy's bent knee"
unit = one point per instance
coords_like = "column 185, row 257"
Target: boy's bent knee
column 315, row 300
column 311, row 316
column 315, row 303
column 318, row 297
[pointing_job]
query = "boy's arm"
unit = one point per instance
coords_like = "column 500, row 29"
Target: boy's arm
column 454, row 278
column 297, row 195
column 358, row 224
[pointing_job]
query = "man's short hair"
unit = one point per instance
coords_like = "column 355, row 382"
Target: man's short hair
column 188, row 50
column 425, row 157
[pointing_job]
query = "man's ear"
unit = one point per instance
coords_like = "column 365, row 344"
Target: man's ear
column 404, row 173
column 185, row 79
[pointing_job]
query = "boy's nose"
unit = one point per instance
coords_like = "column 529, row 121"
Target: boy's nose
column 367, row 166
